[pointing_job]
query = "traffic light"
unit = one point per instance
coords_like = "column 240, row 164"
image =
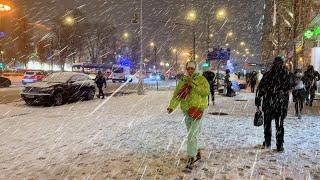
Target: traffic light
column 1, row 66
column 205, row 65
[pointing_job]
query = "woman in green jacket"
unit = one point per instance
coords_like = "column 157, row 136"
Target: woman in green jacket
column 197, row 98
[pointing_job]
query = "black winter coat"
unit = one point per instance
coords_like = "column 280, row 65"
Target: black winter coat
column 100, row 80
column 273, row 91
column 210, row 76
column 310, row 78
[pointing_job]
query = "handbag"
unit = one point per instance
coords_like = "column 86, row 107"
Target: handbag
column 258, row 119
column 195, row 113
column 184, row 91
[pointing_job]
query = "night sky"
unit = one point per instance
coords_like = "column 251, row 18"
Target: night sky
column 242, row 19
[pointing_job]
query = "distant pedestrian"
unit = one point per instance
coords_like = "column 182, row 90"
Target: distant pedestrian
column 228, row 84
column 100, row 81
column 192, row 94
column 310, row 79
column 273, row 91
column 211, row 78
column 253, row 81
column 299, row 92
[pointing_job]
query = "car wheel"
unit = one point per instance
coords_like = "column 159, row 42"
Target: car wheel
column 57, row 99
column 7, row 84
column 90, row 94
column 113, row 81
column 29, row 101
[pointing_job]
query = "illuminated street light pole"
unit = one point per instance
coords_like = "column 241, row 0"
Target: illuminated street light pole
column 192, row 17
column 3, row 8
column 69, row 21
column 175, row 51
column 155, row 61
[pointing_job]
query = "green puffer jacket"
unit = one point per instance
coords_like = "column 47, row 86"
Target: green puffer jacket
column 197, row 97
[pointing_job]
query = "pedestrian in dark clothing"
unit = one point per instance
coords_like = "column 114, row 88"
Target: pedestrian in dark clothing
column 298, row 92
column 228, row 83
column 274, row 90
column 253, row 81
column 211, row 77
column 100, row 81
column 310, row 79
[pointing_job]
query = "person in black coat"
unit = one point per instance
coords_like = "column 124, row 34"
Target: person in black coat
column 310, row 79
column 253, row 81
column 100, row 81
column 228, row 83
column 211, row 77
column 273, row 90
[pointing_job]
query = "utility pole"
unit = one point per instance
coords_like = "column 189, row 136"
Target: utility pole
column 141, row 75
column 176, row 68
column 295, row 26
column 278, row 29
column 156, row 66
column 59, row 46
column 194, row 43
column 208, row 33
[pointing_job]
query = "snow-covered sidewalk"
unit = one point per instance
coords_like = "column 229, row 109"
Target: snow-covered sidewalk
column 132, row 137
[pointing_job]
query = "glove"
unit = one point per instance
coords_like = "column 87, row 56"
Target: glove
column 169, row 110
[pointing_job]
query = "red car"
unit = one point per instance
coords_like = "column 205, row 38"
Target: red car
column 32, row 77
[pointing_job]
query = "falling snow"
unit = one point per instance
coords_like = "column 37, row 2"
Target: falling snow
column 139, row 140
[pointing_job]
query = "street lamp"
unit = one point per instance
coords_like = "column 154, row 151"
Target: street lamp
column 242, row 43
column 5, row 7
column 175, row 51
column 221, row 14
column 2, row 52
column 153, row 45
column 191, row 15
column 125, row 35
column 69, row 20
column 230, row 33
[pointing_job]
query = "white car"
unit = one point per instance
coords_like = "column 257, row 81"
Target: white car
column 121, row 74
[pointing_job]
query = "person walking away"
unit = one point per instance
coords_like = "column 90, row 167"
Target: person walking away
column 253, row 81
column 192, row 94
column 100, row 81
column 228, row 83
column 211, row 78
column 298, row 93
column 310, row 79
column 273, row 91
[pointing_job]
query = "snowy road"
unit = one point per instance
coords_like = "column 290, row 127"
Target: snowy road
column 132, row 137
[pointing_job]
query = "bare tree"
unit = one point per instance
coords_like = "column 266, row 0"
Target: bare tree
column 100, row 40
